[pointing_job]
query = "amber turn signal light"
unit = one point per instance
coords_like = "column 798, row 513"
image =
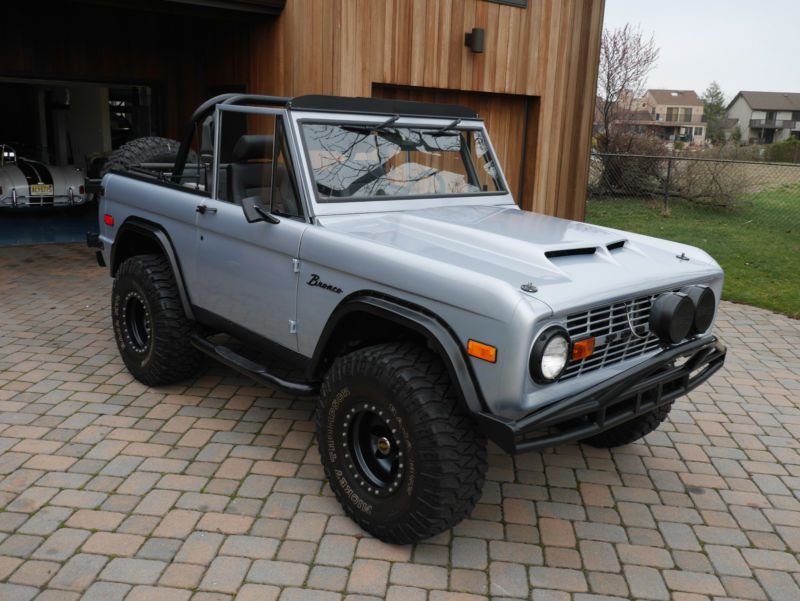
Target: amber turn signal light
column 582, row 349
column 482, row 351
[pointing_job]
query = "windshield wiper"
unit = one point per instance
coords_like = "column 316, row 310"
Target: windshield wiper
column 452, row 125
column 358, row 127
column 386, row 123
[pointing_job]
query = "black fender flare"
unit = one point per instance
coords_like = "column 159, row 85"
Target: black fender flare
column 156, row 233
column 438, row 334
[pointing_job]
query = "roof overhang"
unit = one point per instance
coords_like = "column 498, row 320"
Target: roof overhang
column 201, row 8
column 267, row 7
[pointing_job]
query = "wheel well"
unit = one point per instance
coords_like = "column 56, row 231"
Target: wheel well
column 131, row 243
column 360, row 329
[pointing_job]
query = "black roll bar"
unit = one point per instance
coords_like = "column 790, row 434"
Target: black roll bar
column 204, row 110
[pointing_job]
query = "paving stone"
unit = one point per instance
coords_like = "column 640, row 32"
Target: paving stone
column 336, row 550
column 645, row 583
column 163, row 549
column 17, row 592
column 108, row 543
column 507, row 579
column 418, row 575
column 281, row 573
column 200, row 548
column 133, row 571
column 369, row 576
column 305, row 594
column 727, row 560
column 779, row 586
column 558, row 578
column 35, row 573
column 45, row 521
column 225, row 523
column 79, row 572
column 182, row 575
column 254, row 547
column 159, row 593
column 225, row 574
column 61, row 544
column 328, row 578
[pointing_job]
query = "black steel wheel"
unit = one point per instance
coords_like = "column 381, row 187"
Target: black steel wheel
column 375, row 452
column 401, row 454
column 137, row 320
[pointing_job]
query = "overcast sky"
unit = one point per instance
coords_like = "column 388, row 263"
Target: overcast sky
column 744, row 45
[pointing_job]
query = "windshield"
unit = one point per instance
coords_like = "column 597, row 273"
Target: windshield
column 361, row 162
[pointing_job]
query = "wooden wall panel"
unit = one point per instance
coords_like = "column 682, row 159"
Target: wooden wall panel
column 548, row 51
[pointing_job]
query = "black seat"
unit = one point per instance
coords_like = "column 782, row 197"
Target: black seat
column 251, row 174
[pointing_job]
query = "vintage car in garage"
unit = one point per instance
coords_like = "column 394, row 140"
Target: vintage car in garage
column 25, row 183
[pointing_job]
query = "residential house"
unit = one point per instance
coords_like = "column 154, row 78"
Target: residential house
column 671, row 115
column 766, row 117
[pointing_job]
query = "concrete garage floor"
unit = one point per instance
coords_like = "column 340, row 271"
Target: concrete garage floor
column 213, row 490
column 47, row 226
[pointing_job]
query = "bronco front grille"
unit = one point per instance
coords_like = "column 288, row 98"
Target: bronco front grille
column 621, row 332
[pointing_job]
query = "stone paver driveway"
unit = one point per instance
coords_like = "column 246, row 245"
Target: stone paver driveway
column 213, row 490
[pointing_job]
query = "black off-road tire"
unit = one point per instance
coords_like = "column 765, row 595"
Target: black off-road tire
column 440, row 456
column 145, row 299
column 628, row 432
column 151, row 149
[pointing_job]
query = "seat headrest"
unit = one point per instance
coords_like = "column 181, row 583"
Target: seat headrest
column 253, row 146
column 207, row 136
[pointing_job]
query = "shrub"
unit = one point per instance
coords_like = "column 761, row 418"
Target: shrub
column 787, row 151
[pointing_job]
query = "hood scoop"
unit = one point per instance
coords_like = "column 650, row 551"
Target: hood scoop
column 586, row 250
column 570, row 252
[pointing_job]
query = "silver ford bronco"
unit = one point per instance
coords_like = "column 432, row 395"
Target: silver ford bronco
column 367, row 253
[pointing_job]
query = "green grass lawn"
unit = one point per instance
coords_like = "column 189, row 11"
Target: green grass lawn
column 757, row 243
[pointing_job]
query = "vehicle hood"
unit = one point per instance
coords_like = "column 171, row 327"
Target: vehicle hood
column 571, row 264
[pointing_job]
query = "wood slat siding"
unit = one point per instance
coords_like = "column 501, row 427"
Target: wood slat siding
column 549, row 51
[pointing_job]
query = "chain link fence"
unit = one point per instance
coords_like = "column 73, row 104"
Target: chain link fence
column 744, row 213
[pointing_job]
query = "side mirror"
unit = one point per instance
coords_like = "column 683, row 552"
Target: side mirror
column 253, row 211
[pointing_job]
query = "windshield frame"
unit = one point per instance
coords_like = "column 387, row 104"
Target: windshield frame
column 408, row 122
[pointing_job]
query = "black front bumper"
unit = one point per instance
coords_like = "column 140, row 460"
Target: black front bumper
column 654, row 382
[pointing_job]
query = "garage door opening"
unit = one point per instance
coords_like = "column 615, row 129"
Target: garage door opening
column 55, row 135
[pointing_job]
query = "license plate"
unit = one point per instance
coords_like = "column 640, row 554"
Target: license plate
column 41, row 189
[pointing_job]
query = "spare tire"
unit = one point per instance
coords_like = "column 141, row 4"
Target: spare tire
column 151, row 149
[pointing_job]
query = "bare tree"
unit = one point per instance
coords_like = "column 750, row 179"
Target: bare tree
column 626, row 59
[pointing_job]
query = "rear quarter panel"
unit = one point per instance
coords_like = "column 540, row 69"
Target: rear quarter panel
column 172, row 208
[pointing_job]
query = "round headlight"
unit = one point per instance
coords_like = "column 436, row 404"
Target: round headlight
column 549, row 355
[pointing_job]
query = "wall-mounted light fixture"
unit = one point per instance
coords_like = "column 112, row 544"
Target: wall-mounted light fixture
column 474, row 40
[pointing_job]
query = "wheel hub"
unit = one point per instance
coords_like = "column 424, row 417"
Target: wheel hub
column 384, row 446
column 372, row 449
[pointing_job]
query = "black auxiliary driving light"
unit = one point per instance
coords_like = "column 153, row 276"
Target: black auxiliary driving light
column 672, row 317
column 705, row 304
